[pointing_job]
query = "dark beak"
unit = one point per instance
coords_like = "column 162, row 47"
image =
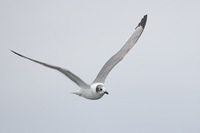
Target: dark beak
column 106, row 92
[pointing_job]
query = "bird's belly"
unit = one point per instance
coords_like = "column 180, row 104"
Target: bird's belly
column 92, row 96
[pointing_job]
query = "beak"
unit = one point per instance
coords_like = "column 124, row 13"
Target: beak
column 106, row 92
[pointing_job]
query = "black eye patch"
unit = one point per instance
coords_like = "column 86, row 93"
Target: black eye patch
column 99, row 88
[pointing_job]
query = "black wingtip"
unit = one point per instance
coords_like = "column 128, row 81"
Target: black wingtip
column 16, row 53
column 143, row 22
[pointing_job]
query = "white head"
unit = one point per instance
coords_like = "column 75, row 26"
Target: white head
column 99, row 88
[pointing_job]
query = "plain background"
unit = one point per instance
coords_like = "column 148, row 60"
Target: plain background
column 155, row 89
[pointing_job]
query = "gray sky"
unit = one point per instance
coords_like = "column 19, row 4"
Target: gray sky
column 155, row 89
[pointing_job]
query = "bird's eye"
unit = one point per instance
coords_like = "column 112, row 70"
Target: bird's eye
column 99, row 88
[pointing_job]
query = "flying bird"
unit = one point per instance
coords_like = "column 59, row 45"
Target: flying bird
column 97, row 89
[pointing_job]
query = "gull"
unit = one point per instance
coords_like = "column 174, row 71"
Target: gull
column 97, row 89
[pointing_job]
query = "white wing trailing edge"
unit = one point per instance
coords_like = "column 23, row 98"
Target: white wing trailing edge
column 121, row 53
column 66, row 72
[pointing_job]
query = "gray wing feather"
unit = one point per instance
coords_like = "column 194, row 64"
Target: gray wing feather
column 121, row 53
column 66, row 72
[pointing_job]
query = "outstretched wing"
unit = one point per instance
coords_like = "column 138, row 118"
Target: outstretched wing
column 66, row 72
column 121, row 53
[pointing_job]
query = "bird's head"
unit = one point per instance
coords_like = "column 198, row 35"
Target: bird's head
column 99, row 88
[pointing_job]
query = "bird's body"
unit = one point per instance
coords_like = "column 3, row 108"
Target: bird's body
column 91, row 93
column 97, row 89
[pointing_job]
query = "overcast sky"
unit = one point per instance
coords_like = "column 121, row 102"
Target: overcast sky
column 155, row 89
